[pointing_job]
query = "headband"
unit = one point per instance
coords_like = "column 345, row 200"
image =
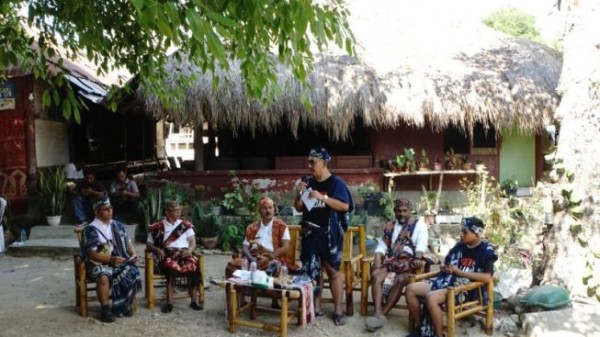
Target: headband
column 472, row 224
column 321, row 153
column 102, row 202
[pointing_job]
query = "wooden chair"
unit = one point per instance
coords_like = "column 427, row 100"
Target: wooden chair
column 366, row 265
column 453, row 310
column 82, row 285
column 155, row 280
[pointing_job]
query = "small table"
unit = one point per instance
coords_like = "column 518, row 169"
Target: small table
column 284, row 295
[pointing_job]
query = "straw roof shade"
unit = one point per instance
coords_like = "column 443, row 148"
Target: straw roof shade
column 415, row 66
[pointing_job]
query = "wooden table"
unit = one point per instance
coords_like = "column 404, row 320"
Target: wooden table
column 232, row 290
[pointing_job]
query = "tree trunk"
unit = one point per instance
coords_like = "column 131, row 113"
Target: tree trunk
column 567, row 258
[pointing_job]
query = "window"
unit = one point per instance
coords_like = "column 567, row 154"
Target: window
column 484, row 140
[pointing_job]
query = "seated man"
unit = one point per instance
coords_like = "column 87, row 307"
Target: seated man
column 399, row 251
column 84, row 194
column 124, row 194
column 266, row 241
column 472, row 259
column 173, row 241
column 110, row 261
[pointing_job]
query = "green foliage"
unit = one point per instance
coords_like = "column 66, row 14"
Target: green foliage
column 138, row 35
column 387, row 202
column 207, row 225
column 241, row 196
column 53, row 190
column 513, row 22
column 175, row 191
column 232, row 234
column 151, row 208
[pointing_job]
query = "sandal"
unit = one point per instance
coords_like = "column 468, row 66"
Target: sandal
column 375, row 322
column 339, row 319
column 319, row 313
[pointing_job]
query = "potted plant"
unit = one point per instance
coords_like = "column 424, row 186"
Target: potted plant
column 437, row 165
column 399, row 163
column 423, row 161
column 207, row 226
column 453, row 160
column 215, row 206
column 509, row 186
column 241, row 197
column 466, row 164
column 150, row 210
column 53, row 191
column 479, row 166
column 371, row 196
column 411, row 164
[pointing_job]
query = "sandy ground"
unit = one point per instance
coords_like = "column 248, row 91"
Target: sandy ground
column 38, row 299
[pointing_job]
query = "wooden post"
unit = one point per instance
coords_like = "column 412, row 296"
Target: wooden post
column 149, row 280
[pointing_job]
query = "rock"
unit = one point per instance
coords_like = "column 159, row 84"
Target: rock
column 506, row 324
column 512, row 280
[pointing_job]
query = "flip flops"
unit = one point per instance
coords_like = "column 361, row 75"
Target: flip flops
column 375, row 322
column 339, row 319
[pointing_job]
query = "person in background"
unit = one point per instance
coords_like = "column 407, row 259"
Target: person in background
column 323, row 223
column 84, row 194
column 471, row 259
column 173, row 241
column 399, row 251
column 110, row 261
column 124, row 194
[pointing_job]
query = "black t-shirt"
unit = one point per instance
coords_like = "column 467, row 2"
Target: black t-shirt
column 319, row 214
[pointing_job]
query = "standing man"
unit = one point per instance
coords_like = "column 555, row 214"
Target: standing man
column 173, row 241
column 399, row 251
column 325, row 203
column 110, row 261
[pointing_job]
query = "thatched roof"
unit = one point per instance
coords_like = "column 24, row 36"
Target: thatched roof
column 414, row 67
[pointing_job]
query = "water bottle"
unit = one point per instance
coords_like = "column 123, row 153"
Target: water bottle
column 244, row 263
column 283, row 274
column 23, row 235
column 253, row 268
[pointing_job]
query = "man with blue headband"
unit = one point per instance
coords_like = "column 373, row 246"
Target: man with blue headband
column 472, row 259
column 323, row 222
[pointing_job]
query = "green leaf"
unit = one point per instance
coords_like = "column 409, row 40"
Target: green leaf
column 138, row 4
column 221, row 19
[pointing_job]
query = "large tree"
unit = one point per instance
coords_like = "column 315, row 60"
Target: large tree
column 572, row 246
column 139, row 34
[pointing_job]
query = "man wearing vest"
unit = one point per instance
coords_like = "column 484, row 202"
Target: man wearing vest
column 399, row 251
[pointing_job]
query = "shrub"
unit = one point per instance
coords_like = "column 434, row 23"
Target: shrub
column 513, row 22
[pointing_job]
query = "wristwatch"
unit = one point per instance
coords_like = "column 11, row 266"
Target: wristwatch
column 325, row 197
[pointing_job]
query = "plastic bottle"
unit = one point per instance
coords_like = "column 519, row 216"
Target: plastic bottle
column 23, row 235
column 244, row 263
column 283, row 274
column 253, row 268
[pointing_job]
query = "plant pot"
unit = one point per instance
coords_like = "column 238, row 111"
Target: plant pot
column 437, row 166
column 210, row 242
column 467, row 166
column 479, row 167
column 53, row 220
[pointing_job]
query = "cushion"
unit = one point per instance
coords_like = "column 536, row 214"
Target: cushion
column 547, row 297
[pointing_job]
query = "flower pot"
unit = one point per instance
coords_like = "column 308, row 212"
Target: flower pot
column 467, row 166
column 53, row 220
column 209, row 243
column 437, row 166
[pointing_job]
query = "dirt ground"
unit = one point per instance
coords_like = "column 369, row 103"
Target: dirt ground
column 37, row 298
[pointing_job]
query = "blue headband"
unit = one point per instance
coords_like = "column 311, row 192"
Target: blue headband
column 102, row 202
column 472, row 224
column 321, row 153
